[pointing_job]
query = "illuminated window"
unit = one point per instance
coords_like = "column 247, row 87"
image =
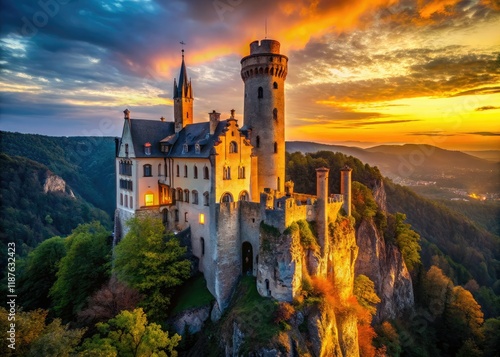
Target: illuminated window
column 149, row 199
column 147, row 149
column 202, row 218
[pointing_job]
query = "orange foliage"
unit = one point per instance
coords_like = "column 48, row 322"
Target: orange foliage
column 366, row 334
column 284, row 312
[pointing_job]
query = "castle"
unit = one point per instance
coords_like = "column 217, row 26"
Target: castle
column 217, row 183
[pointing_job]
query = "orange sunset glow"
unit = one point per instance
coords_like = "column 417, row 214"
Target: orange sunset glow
column 360, row 72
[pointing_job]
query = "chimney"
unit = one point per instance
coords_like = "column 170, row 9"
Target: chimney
column 162, row 118
column 232, row 113
column 126, row 113
column 214, row 121
column 345, row 188
column 322, row 211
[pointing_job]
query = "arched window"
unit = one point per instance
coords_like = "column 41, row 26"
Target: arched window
column 275, row 147
column 177, row 170
column 241, row 172
column 275, row 85
column 179, row 195
column 147, row 170
column 260, row 93
column 186, row 195
column 206, row 197
column 176, row 215
column 195, row 172
column 257, row 141
column 205, row 173
column 243, row 196
column 202, row 245
column 275, row 114
column 233, row 147
column 194, row 195
column 226, row 197
column 185, row 171
column 226, row 175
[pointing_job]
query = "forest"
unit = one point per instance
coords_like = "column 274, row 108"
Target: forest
column 83, row 295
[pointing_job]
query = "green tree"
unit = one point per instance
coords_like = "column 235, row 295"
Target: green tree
column 83, row 270
column 408, row 242
column 363, row 202
column 56, row 340
column 364, row 290
column 38, row 273
column 151, row 263
column 130, row 335
column 491, row 331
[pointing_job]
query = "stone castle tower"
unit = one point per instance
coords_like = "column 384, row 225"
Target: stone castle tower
column 183, row 99
column 264, row 72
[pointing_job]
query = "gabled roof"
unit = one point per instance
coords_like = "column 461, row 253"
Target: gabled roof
column 149, row 131
column 158, row 132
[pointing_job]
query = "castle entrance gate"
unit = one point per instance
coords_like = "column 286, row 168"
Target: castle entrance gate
column 246, row 258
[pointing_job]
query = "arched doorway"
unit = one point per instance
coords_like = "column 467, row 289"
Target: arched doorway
column 246, row 258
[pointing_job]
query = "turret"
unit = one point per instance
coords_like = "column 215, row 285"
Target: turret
column 345, row 188
column 322, row 212
column 264, row 72
column 183, row 99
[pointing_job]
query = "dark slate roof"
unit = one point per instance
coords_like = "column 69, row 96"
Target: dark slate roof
column 183, row 82
column 149, row 131
column 156, row 132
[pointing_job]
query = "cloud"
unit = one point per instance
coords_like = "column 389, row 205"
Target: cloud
column 431, row 133
column 485, row 133
column 486, row 107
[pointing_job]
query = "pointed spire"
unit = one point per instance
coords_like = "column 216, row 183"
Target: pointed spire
column 182, row 88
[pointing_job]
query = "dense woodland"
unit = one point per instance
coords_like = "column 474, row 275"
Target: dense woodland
column 81, row 296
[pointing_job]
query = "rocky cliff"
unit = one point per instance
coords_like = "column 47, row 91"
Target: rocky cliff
column 383, row 264
column 54, row 183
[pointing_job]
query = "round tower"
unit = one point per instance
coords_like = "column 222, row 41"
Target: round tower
column 345, row 188
column 264, row 72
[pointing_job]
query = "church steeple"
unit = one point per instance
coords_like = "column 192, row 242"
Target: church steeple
column 183, row 99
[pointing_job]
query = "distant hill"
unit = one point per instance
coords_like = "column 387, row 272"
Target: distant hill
column 37, row 204
column 490, row 155
column 420, row 162
column 85, row 163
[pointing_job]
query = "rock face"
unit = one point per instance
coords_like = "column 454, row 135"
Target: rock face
column 384, row 265
column 192, row 319
column 54, row 183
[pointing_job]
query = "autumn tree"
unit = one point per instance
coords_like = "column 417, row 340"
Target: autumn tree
column 83, row 270
column 152, row 263
column 435, row 287
column 38, row 273
column 56, row 340
column 130, row 335
column 364, row 290
column 108, row 302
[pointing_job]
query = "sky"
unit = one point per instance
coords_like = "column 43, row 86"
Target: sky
column 361, row 72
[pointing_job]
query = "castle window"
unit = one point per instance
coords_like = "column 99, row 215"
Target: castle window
column 260, row 93
column 226, row 197
column 176, row 215
column 205, row 173
column 206, row 197
column 126, row 200
column 197, row 148
column 233, row 147
column 149, row 199
column 159, row 169
column 125, row 168
column 147, row 149
column 195, row 172
column 241, row 172
column 121, row 199
column 147, row 170
column 275, row 114
column 194, row 195
column 226, row 174
column 179, row 195
column 165, row 218
column 166, row 171
column 202, row 242
column 243, row 196
column 275, row 147
column 257, row 142
column 185, row 148
column 186, row 195
column 185, row 171
column 275, row 85
column 185, row 216
column 187, row 114
column 177, row 170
